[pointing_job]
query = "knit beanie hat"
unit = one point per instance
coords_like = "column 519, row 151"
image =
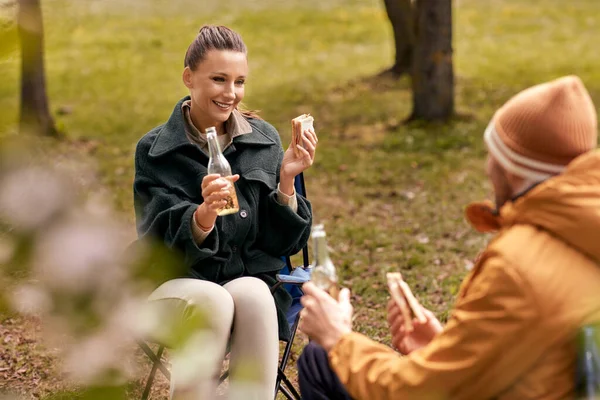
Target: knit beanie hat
column 542, row 129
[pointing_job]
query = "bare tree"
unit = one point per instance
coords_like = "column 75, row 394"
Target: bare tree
column 401, row 15
column 433, row 73
column 35, row 113
column 423, row 42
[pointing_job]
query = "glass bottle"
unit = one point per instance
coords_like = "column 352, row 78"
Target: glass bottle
column 323, row 273
column 218, row 164
column 588, row 364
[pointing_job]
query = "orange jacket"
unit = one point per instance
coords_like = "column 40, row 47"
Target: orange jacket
column 511, row 334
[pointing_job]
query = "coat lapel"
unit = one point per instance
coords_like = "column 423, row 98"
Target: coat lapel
column 172, row 134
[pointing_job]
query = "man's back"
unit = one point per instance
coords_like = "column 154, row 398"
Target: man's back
column 547, row 241
column 559, row 292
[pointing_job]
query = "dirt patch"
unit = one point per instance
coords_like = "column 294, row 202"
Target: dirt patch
column 27, row 367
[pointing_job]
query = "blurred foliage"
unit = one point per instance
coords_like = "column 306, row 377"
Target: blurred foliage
column 92, row 393
column 64, row 260
column 153, row 263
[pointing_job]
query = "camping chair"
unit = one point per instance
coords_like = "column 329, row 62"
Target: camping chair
column 291, row 278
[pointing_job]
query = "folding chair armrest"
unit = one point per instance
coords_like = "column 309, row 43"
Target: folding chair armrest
column 294, row 280
column 298, row 277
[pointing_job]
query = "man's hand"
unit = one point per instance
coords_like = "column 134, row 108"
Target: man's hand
column 422, row 334
column 324, row 319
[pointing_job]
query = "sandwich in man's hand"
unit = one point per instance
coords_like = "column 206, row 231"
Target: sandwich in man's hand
column 299, row 125
column 407, row 303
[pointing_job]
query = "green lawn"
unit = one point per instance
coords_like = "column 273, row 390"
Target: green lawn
column 391, row 196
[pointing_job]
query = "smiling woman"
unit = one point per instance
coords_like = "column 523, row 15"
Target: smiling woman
column 217, row 87
column 231, row 260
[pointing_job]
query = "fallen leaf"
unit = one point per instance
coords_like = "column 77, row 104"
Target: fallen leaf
column 423, row 239
column 409, row 195
column 468, row 265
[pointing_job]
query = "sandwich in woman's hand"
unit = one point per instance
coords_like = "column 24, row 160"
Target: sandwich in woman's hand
column 406, row 301
column 299, row 125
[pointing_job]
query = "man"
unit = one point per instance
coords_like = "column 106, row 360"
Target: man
column 512, row 332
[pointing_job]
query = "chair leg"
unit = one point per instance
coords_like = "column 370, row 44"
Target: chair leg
column 286, row 393
column 284, row 360
column 155, row 358
column 156, row 363
column 288, row 347
column 290, row 389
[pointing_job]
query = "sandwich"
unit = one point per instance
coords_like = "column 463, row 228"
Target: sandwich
column 406, row 301
column 299, row 125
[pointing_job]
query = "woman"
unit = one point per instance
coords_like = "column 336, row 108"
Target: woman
column 232, row 260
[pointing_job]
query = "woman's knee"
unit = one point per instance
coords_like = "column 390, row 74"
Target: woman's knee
column 198, row 296
column 251, row 293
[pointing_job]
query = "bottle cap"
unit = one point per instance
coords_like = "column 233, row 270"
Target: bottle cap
column 211, row 131
column 318, row 230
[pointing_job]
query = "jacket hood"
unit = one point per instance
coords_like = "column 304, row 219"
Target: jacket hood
column 567, row 206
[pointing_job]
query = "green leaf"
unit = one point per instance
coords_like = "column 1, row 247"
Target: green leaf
column 153, row 263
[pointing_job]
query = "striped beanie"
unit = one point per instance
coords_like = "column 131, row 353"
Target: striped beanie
column 542, row 129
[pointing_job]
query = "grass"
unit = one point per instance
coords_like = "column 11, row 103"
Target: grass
column 391, row 196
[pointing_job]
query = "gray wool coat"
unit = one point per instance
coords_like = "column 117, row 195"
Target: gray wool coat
column 167, row 190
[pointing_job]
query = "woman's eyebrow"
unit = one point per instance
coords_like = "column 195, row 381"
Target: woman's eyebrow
column 227, row 75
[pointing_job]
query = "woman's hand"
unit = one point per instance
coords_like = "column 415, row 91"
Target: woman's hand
column 215, row 191
column 293, row 163
column 421, row 335
column 324, row 319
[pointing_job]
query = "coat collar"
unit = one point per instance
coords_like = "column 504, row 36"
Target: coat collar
column 171, row 136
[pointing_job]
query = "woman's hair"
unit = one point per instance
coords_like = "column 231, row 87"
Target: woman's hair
column 212, row 37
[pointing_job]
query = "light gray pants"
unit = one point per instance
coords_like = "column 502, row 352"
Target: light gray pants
column 242, row 313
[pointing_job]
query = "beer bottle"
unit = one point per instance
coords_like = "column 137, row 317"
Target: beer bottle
column 323, row 273
column 218, row 164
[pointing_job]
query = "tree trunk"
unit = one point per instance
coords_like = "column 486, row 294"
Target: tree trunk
column 433, row 75
column 35, row 113
column 401, row 16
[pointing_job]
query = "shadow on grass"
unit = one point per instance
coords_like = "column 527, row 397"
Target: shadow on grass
column 370, row 112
